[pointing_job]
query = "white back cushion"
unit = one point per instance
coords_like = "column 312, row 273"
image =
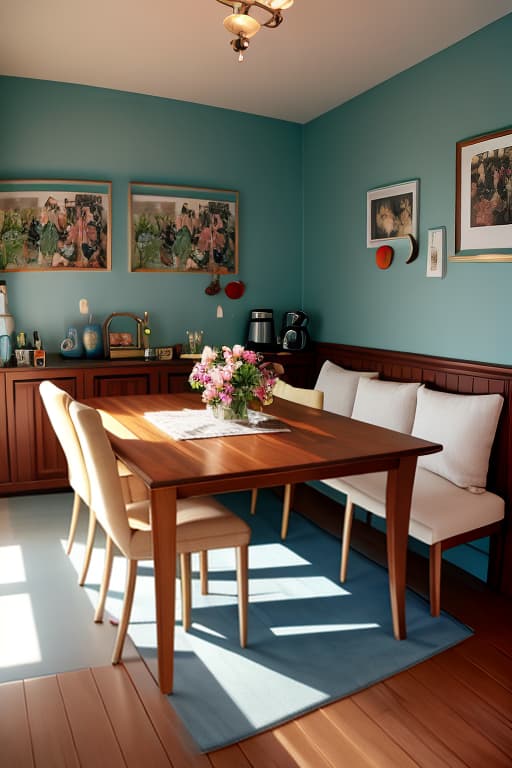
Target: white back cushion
column 389, row 404
column 465, row 425
column 339, row 387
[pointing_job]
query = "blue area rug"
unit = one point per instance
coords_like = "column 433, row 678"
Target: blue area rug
column 311, row 640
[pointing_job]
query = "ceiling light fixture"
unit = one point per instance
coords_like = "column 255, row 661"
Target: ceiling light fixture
column 244, row 26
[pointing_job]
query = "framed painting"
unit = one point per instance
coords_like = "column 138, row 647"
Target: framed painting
column 55, row 225
column 483, row 203
column 183, row 229
column 392, row 212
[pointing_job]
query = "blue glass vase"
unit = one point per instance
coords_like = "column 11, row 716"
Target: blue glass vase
column 93, row 340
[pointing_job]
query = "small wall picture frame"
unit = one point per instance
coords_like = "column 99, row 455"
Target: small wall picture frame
column 392, row 212
column 436, row 252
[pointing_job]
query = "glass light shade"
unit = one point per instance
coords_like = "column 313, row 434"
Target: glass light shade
column 241, row 24
column 280, row 5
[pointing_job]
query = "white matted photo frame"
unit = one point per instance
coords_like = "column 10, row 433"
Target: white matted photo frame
column 55, row 225
column 436, row 252
column 392, row 212
column 182, row 229
column 483, row 203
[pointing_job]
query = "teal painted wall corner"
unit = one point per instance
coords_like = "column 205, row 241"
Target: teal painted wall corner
column 60, row 131
column 407, row 128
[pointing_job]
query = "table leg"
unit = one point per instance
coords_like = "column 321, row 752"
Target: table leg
column 398, row 511
column 163, row 522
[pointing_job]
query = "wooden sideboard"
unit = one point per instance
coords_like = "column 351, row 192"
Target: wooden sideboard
column 30, row 457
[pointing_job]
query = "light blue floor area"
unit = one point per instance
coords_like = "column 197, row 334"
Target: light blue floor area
column 46, row 619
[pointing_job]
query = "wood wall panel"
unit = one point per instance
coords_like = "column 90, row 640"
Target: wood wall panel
column 460, row 377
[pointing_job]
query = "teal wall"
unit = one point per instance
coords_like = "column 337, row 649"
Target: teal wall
column 55, row 130
column 404, row 129
column 302, row 204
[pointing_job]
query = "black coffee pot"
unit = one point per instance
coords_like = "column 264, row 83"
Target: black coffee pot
column 294, row 336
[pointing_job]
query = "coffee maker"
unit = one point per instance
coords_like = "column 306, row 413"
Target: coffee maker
column 294, row 336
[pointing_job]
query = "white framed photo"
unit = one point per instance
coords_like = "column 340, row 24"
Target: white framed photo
column 436, row 252
column 392, row 212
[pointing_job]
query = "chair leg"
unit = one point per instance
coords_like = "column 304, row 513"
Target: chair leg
column 88, row 547
column 131, row 576
column 203, row 571
column 287, row 503
column 435, row 562
column 74, row 522
column 186, row 596
column 105, row 582
column 254, row 499
column 345, row 541
column 242, row 577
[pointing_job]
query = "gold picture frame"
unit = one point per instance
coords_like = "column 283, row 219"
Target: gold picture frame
column 55, row 225
column 182, row 229
column 483, row 204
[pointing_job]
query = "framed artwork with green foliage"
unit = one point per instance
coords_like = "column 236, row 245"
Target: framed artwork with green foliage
column 182, row 229
column 51, row 225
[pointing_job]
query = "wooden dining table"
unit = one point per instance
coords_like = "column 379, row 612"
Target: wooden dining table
column 316, row 445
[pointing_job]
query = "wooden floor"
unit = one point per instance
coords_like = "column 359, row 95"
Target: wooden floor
column 453, row 710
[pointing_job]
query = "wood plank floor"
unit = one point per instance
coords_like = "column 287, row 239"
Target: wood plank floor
column 452, row 710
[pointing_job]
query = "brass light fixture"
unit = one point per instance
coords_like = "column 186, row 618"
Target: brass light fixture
column 244, row 26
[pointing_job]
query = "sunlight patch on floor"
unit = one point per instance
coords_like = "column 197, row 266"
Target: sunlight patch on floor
column 12, row 568
column 312, row 629
column 19, row 642
column 279, row 555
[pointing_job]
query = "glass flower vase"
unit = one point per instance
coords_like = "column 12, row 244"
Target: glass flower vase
column 237, row 411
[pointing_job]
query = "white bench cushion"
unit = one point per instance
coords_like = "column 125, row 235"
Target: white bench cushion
column 390, row 404
column 339, row 387
column 465, row 425
column 439, row 509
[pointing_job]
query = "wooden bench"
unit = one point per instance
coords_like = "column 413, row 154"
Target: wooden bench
column 458, row 377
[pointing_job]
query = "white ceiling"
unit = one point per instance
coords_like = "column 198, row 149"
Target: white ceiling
column 324, row 53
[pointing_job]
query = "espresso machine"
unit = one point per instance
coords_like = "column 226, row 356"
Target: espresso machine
column 294, row 336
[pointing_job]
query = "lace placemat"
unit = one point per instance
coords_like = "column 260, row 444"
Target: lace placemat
column 192, row 424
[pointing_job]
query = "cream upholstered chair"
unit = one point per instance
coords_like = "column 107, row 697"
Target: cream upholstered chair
column 56, row 402
column 202, row 524
column 314, row 399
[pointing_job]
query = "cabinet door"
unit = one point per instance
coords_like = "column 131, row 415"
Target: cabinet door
column 298, row 367
column 5, row 470
column 34, row 448
column 110, row 384
column 173, row 382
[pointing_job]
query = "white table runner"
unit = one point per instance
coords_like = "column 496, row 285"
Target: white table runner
column 192, row 424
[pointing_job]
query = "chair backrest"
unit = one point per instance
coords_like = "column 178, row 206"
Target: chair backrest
column 57, row 402
column 106, row 490
column 312, row 397
column 339, row 387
